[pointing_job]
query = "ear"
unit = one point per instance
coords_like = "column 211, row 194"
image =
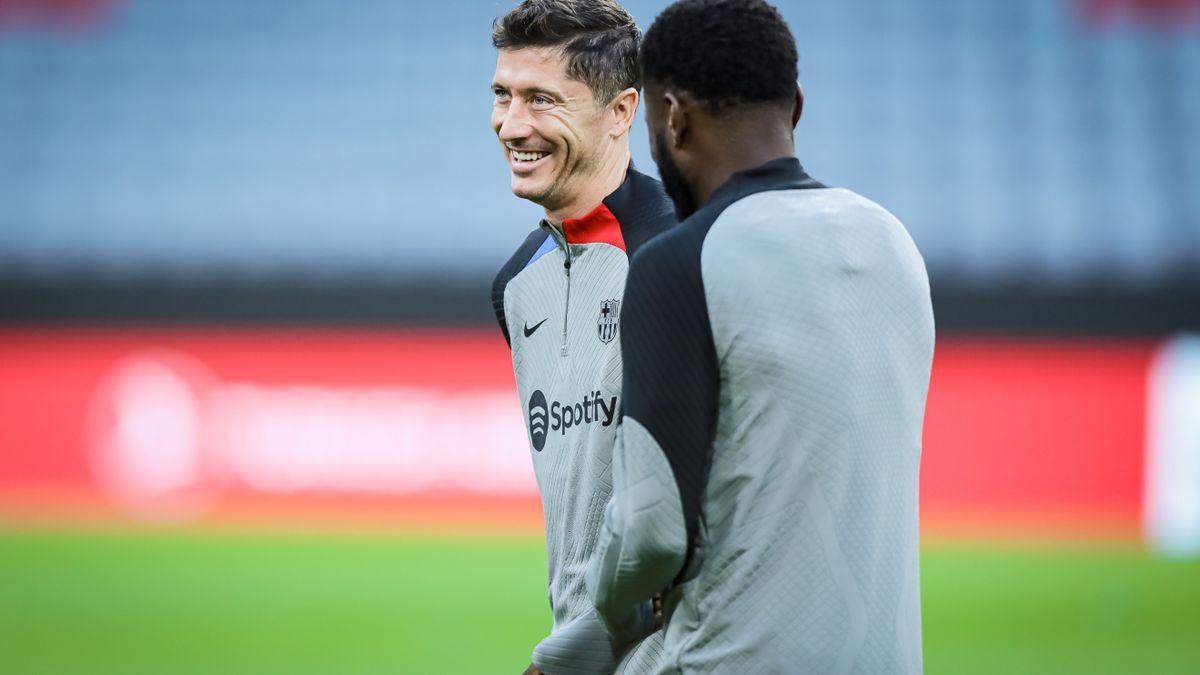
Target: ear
column 678, row 120
column 624, row 107
column 798, row 106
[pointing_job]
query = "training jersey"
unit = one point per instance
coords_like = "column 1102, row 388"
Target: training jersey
column 559, row 304
column 777, row 350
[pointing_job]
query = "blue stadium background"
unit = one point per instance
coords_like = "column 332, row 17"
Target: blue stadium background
column 178, row 158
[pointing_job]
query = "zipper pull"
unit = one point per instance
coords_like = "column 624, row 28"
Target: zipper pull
column 567, row 308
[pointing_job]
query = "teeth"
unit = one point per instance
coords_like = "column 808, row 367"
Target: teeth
column 527, row 156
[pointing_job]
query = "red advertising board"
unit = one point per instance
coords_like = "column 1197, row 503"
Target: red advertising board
column 198, row 423
column 1043, row 434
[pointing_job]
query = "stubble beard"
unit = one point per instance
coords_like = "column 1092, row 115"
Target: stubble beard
column 674, row 183
column 564, row 186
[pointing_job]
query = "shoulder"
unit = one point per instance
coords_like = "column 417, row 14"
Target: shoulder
column 808, row 237
column 807, row 208
column 669, row 264
column 520, row 258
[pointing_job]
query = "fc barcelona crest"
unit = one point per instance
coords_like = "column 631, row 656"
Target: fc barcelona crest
column 610, row 316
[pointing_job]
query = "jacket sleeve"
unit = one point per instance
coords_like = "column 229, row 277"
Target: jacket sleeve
column 581, row 647
column 664, row 444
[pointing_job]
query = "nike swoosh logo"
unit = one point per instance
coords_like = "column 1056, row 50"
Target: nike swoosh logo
column 530, row 331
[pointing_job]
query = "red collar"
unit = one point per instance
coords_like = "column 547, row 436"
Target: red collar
column 598, row 227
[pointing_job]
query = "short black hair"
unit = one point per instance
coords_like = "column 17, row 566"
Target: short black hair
column 723, row 52
column 598, row 37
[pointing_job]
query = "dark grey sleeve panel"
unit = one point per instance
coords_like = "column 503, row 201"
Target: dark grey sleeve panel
column 515, row 264
column 671, row 381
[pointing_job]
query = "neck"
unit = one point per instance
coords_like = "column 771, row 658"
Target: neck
column 605, row 181
column 741, row 148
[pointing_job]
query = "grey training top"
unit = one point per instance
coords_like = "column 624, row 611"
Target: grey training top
column 558, row 301
column 777, row 348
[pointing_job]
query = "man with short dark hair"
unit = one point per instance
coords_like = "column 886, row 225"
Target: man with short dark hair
column 566, row 89
column 777, row 349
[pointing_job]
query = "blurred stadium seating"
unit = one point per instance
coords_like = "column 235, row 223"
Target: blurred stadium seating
column 1021, row 144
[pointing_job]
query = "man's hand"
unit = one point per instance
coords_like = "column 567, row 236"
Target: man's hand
column 532, row 670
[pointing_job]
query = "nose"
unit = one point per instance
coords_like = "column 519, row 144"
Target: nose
column 514, row 123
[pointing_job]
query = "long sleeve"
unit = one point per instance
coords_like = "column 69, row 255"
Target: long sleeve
column 663, row 450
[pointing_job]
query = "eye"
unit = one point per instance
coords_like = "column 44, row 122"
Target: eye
column 541, row 102
column 502, row 96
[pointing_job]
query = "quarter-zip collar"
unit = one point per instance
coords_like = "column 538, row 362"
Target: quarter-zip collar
column 557, row 232
column 598, row 227
column 626, row 219
column 633, row 214
column 784, row 173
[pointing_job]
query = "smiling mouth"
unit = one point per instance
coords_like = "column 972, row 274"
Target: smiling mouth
column 525, row 158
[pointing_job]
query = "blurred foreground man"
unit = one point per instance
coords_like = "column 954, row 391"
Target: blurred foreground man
column 566, row 90
column 777, row 352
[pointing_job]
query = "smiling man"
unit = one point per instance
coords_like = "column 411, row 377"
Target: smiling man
column 566, row 90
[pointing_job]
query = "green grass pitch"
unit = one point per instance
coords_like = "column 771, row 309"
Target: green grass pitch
column 187, row 602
